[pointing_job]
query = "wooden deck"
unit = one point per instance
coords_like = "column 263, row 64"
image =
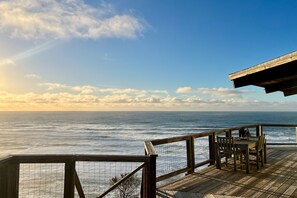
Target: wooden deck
column 278, row 178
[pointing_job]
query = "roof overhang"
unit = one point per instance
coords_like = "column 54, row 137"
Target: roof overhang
column 279, row 74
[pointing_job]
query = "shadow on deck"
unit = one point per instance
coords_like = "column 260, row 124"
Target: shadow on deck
column 278, row 178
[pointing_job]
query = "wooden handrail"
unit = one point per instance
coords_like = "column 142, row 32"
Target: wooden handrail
column 197, row 135
column 33, row 158
column 149, row 148
column 279, row 125
column 4, row 161
column 211, row 135
column 282, row 144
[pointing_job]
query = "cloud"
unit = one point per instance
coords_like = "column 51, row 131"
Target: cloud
column 124, row 91
column 184, row 90
column 35, row 50
column 53, row 86
column 6, row 62
column 65, row 100
column 58, row 96
column 53, row 19
column 32, row 76
column 84, row 89
column 221, row 92
column 215, row 92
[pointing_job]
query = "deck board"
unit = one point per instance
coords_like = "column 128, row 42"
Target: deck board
column 278, row 178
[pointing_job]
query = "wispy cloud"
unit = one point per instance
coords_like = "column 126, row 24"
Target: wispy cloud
column 221, row 92
column 216, row 92
column 32, row 76
column 53, row 19
column 53, row 86
column 6, row 62
column 34, row 50
column 27, row 53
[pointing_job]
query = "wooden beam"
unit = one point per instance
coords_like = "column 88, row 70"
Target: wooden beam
column 268, row 76
column 289, row 92
column 281, row 86
column 276, row 81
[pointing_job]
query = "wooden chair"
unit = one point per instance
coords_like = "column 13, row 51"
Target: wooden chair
column 258, row 151
column 226, row 148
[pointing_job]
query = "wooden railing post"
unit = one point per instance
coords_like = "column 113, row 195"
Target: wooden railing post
column 259, row 130
column 3, row 181
column 212, row 149
column 228, row 133
column 296, row 134
column 13, row 171
column 69, row 179
column 144, row 180
column 191, row 154
column 149, row 173
column 150, row 178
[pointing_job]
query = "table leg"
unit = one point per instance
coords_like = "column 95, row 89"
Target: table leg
column 265, row 153
column 218, row 164
column 247, row 160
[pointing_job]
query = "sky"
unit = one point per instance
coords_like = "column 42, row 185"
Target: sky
column 140, row 55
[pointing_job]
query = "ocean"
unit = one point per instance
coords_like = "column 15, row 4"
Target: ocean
column 120, row 132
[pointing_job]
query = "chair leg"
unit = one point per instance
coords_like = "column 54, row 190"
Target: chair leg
column 235, row 161
column 262, row 158
column 226, row 160
column 257, row 158
column 241, row 161
column 219, row 160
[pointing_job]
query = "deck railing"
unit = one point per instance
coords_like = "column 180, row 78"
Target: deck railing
column 16, row 174
column 171, row 163
column 176, row 155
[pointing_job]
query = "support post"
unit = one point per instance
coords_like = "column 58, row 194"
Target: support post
column 296, row 134
column 13, row 171
column 212, row 149
column 150, row 178
column 228, row 133
column 3, row 181
column 69, row 179
column 259, row 130
column 190, row 155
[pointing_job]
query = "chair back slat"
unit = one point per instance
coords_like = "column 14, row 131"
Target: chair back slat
column 260, row 142
column 225, row 143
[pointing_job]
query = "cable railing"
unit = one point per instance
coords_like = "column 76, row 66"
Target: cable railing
column 182, row 155
column 81, row 176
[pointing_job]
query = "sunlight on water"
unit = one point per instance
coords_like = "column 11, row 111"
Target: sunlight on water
column 120, row 132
